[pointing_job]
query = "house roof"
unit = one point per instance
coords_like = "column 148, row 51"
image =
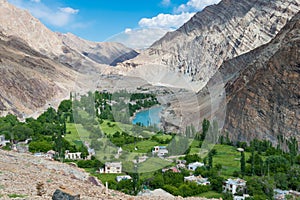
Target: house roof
column 113, row 164
column 196, row 164
column 237, row 181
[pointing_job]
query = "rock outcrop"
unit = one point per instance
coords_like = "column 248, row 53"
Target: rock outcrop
column 60, row 194
column 263, row 91
column 219, row 32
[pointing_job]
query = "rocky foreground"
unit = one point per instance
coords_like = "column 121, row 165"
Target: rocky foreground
column 22, row 174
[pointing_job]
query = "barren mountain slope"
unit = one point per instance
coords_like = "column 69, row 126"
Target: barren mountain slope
column 30, row 80
column 20, row 174
column 263, row 91
column 218, row 33
column 38, row 67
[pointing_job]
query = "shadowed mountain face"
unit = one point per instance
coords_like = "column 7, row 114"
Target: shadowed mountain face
column 263, row 91
column 219, row 32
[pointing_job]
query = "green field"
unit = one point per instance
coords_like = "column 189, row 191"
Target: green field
column 153, row 164
column 226, row 155
column 77, row 133
column 142, row 146
column 210, row 195
column 107, row 177
column 229, row 158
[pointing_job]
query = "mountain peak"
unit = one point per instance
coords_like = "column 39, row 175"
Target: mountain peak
column 218, row 33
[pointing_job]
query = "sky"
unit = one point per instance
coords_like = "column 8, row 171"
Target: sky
column 127, row 21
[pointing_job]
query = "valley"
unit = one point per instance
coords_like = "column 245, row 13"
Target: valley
column 210, row 110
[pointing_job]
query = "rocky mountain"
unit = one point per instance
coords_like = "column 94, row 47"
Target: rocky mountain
column 39, row 67
column 217, row 33
column 101, row 52
column 29, row 79
column 262, row 88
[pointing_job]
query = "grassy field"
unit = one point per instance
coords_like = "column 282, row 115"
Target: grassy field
column 77, row 133
column 163, row 136
column 226, row 155
column 153, row 164
column 107, row 177
column 229, row 158
column 142, row 146
column 210, row 195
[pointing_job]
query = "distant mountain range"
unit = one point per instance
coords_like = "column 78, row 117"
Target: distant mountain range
column 40, row 67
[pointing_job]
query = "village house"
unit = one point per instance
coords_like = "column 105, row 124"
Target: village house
column 193, row 166
column 50, row 154
column 172, row 169
column 235, row 197
column 72, row 156
column 160, row 151
column 197, row 179
column 123, row 178
column 111, row 168
column 282, row 194
column 140, row 159
column 181, row 164
column 3, row 142
column 234, row 185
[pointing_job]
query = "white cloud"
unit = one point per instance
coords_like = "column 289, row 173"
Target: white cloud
column 127, row 30
column 165, row 21
column 138, row 38
column 195, row 5
column 69, row 10
column 59, row 17
column 166, row 2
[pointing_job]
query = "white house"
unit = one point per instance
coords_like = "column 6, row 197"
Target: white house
column 193, row 166
column 234, row 185
column 197, row 179
column 140, row 159
column 3, row 142
column 72, row 156
column 241, row 197
column 121, row 178
column 160, row 151
column 50, row 154
column 112, row 168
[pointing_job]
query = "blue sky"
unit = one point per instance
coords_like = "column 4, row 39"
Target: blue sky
column 98, row 20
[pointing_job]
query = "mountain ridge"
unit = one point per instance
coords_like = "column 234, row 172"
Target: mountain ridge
column 218, row 33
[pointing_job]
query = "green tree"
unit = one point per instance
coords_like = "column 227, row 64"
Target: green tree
column 243, row 163
column 210, row 160
column 205, row 127
column 40, row 146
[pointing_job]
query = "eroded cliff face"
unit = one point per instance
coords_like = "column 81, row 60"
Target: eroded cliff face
column 219, row 32
column 30, row 80
column 263, row 90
